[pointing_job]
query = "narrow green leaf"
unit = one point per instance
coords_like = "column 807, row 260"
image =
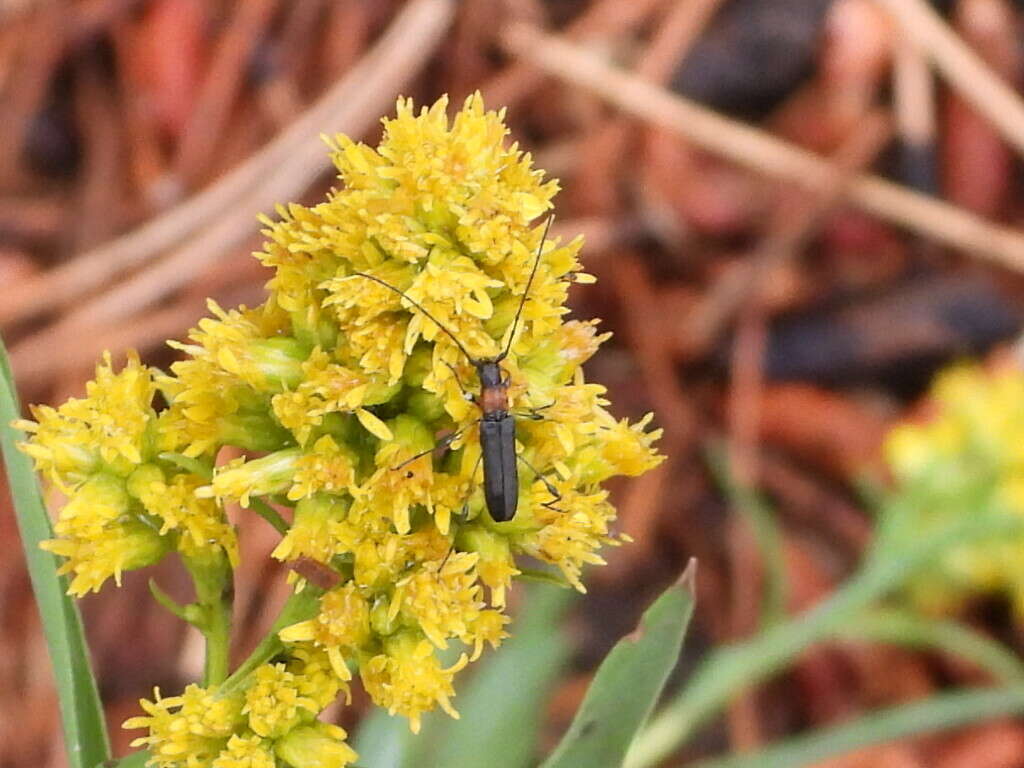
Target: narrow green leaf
column 628, row 683
column 734, row 668
column 759, row 515
column 951, row 710
column 85, row 734
column 502, row 708
column 910, row 629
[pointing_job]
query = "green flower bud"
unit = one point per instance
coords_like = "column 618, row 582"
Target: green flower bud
column 318, row 745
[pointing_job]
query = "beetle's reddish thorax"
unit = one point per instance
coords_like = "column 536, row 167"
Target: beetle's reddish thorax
column 494, row 399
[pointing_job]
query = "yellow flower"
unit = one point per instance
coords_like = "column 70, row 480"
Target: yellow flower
column 274, row 704
column 99, row 537
column 408, row 679
column 240, row 479
column 342, row 626
column 189, row 730
column 245, row 752
column 245, row 343
column 495, row 564
column 325, row 468
column 200, row 522
column 966, row 459
column 381, row 556
column 442, row 601
column 570, row 534
column 108, row 429
column 399, row 484
column 311, row 535
column 314, row 675
column 318, row 745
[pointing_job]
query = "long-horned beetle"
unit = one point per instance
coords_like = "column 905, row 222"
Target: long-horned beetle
column 497, row 423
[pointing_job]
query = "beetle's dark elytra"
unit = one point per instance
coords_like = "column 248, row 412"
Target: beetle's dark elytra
column 501, row 475
column 497, row 424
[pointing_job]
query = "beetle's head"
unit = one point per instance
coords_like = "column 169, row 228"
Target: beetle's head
column 490, row 373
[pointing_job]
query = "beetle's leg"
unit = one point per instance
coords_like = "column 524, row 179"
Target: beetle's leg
column 465, row 505
column 534, row 414
column 444, row 442
column 472, row 478
column 465, row 392
column 547, row 483
column 449, row 554
column 472, row 475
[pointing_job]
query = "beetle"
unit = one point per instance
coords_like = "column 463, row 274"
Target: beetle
column 497, row 422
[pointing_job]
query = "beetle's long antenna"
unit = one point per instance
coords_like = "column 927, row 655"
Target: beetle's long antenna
column 526, row 292
column 421, row 308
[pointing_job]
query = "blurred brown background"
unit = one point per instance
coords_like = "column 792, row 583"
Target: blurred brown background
column 791, row 286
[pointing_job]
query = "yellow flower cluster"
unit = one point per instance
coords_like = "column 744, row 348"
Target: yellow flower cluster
column 272, row 715
column 127, row 506
column 966, row 459
column 336, row 390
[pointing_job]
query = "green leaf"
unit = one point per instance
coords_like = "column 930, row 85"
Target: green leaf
column 951, row 710
column 502, row 708
column 734, row 668
column 899, row 627
column 628, row 683
column 85, row 734
column 759, row 515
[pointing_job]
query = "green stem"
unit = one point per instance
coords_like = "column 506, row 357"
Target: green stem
column 270, row 514
column 218, row 644
column 214, row 584
column 731, row 670
column 300, row 606
column 937, row 713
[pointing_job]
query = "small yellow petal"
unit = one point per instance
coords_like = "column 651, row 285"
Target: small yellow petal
column 373, row 425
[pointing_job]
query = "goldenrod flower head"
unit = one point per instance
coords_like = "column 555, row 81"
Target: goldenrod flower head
column 326, row 467
column 108, row 429
column 442, row 602
column 274, row 704
column 334, row 394
column 199, row 522
column 312, row 531
column 240, row 479
column 100, row 535
column 408, row 679
column 189, row 730
column 245, row 752
column 968, row 457
column 343, row 624
column 314, row 675
column 317, row 745
column 495, row 564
